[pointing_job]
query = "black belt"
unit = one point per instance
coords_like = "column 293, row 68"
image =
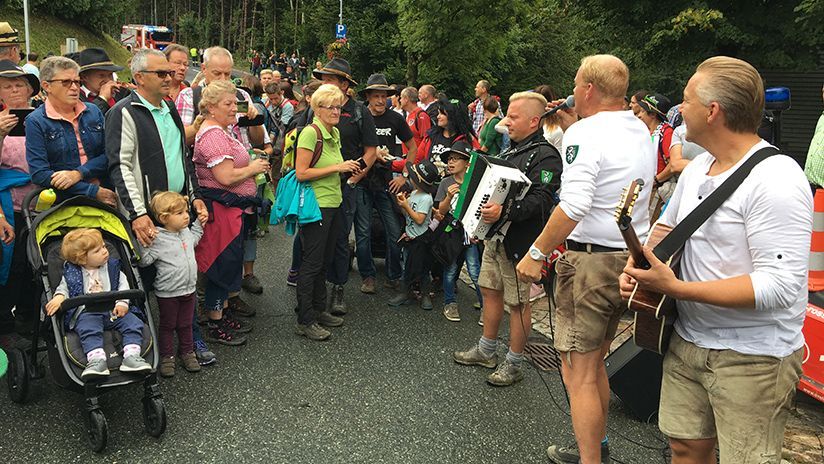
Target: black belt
column 572, row 245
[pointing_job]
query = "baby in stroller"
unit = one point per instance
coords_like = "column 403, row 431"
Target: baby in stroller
column 88, row 269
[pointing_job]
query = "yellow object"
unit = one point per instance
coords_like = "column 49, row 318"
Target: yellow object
column 45, row 200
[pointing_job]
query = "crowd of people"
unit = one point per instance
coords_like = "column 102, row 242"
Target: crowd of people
column 293, row 68
column 169, row 153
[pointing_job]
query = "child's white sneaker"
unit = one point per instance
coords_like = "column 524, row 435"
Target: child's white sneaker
column 96, row 367
column 135, row 363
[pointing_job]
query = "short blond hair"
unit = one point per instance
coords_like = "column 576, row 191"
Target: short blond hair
column 78, row 243
column 327, row 95
column 606, row 72
column 266, row 71
column 737, row 88
column 166, row 203
column 214, row 93
column 540, row 100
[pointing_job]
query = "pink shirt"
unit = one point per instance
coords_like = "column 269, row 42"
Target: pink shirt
column 213, row 145
column 14, row 157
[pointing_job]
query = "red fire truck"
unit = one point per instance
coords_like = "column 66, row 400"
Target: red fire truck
column 134, row 36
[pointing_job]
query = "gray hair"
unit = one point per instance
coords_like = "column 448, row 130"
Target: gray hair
column 141, row 58
column 5, row 53
column 54, row 64
column 212, row 52
column 411, row 94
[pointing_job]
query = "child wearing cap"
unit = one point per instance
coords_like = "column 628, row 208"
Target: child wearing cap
column 417, row 209
column 457, row 163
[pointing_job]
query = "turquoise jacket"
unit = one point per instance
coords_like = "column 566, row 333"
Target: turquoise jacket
column 295, row 203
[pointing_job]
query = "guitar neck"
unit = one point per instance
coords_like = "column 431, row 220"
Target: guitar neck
column 633, row 243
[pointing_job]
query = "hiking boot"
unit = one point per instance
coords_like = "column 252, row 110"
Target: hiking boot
column 474, row 357
column 426, row 302
column 235, row 324
column 426, row 297
column 368, row 285
column 292, row 278
column 218, row 332
column 336, row 305
column 569, row 454
column 190, row 362
column 251, row 284
column 505, row 375
column 240, row 307
column 204, row 355
column 312, row 332
column 450, row 312
column 403, row 297
column 94, row 369
column 392, row 284
column 327, row 320
column 167, row 366
column 135, row 364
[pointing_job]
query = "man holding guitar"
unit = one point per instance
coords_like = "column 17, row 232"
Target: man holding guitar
column 601, row 151
column 735, row 357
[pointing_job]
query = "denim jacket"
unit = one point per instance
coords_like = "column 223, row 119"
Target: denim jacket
column 51, row 146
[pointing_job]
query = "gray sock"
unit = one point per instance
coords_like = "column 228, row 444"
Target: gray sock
column 487, row 346
column 514, row 358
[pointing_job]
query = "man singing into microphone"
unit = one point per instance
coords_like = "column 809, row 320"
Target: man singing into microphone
column 602, row 153
column 542, row 163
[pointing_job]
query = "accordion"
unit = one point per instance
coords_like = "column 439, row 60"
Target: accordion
column 489, row 180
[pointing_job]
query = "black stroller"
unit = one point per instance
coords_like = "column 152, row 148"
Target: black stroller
column 66, row 357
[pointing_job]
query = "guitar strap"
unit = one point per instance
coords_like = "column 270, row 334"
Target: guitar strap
column 679, row 235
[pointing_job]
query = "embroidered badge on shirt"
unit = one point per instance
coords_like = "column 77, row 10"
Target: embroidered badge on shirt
column 571, row 153
column 546, row 176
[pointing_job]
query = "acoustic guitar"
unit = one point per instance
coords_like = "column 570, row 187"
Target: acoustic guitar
column 654, row 313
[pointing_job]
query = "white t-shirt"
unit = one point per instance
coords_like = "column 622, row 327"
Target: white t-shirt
column 602, row 155
column 689, row 150
column 763, row 230
column 555, row 137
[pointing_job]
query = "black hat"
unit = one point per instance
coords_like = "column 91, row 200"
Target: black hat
column 96, row 58
column 461, row 148
column 336, row 67
column 656, row 103
column 377, row 82
column 423, row 175
column 10, row 70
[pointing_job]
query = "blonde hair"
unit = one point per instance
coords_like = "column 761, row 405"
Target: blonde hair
column 78, row 243
column 214, row 93
column 531, row 96
column 606, row 72
column 737, row 88
column 166, row 203
column 327, row 95
column 267, row 71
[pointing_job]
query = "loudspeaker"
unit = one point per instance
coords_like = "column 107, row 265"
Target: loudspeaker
column 635, row 377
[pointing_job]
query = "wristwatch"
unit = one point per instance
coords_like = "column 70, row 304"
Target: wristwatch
column 536, row 254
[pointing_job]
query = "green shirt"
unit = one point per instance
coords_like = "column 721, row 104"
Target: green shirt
column 490, row 138
column 814, row 167
column 327, row 188
column 172, row 142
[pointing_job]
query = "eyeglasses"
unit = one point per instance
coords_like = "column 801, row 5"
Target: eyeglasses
column 331, row 108
column 67, row 83
column 161, row 73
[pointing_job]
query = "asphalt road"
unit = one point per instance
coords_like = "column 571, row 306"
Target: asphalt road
column 383, row 389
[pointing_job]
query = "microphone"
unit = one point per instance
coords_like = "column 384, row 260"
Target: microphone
column 568, row 103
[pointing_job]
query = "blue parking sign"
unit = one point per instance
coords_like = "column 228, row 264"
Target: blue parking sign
column 340, row 31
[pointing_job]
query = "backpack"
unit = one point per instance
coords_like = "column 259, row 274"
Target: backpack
column 290, row 140
column 290, row 199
